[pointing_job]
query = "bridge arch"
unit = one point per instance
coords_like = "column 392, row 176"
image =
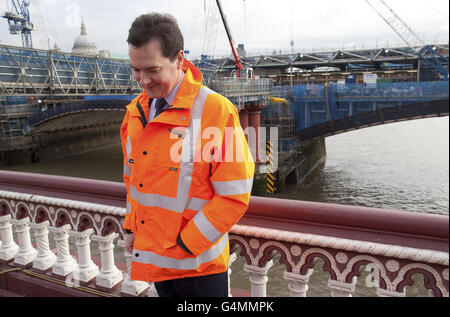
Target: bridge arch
column 76, row 115
column 420, row 110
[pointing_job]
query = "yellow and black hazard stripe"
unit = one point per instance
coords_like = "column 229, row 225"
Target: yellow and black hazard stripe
column 270, row 178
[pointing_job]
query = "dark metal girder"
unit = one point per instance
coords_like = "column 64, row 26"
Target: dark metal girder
column 78, row 121
column 319, row 59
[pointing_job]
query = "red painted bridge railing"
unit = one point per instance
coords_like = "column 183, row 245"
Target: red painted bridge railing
column 362, row 251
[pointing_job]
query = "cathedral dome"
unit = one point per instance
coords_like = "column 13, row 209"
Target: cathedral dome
column 83, row 45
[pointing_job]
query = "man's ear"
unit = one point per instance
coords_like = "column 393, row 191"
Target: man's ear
column 180, row 58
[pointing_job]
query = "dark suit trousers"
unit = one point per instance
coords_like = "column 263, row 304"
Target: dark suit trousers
column 214, row 285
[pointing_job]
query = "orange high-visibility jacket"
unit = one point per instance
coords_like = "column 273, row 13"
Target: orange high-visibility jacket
column 188, row 172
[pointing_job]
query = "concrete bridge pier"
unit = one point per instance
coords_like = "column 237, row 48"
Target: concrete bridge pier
column 61, row 144
column 313, row 154
column 18, row 157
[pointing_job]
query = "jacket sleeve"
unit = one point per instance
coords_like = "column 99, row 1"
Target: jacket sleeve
column 129, row 223
column 232, row 169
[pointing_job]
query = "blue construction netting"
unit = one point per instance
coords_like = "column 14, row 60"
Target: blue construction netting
column 14, row 100
column 110, row 97
column 315, row 104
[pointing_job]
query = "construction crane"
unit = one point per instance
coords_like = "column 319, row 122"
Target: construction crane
column 425, row 52
column 18, row 17
column 396, row 23
column 211, row 26
column 233, row 48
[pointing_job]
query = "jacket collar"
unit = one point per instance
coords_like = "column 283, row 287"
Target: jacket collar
column 189, row 86
column 183, row 101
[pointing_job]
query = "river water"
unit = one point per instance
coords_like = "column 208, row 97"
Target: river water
column 399, row 166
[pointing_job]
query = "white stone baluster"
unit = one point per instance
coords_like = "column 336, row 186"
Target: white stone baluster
column 129, row 286
column 65, row 263
column 233, row 257
column 8, row 248
column 152, row 292
column 298, row 284
column 109, row 274
column 390, row 293
column 342, row 289
column 258, row 278
column 86, row 270
column 45, row 257
column 26, row 254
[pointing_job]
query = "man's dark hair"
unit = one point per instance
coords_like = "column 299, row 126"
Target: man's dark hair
column 162, row 27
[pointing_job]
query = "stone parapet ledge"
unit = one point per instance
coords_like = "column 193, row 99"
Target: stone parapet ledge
column 345, row 238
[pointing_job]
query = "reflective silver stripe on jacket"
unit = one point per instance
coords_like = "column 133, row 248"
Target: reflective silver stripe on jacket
column 147, row 257
column 243, row 186
column 126, row 170
column 196, row 203
column 206, row 227
column 173, row 204
column 126, row 167
column 128, row 207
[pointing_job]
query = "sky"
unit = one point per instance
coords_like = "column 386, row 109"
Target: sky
column 262, row 25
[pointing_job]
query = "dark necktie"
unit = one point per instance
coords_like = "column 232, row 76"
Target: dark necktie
column 159, row 106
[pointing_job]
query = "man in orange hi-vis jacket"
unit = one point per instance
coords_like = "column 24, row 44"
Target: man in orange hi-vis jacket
column 187, row 167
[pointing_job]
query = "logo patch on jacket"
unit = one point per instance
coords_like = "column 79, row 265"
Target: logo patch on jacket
column 179, row 131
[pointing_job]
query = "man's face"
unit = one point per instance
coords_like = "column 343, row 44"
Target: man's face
column 156, row 74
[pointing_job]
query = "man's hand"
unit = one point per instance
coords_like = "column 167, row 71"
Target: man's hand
column 129, row 241
column 182, row 245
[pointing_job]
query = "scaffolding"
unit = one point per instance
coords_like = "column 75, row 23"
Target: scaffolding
column 279, row 114
column 242, row 91
column 12, row 117
column 44, row 73
column 14, row 112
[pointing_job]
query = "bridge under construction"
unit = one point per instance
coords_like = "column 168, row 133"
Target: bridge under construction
column 54, row 104
column 57, row 103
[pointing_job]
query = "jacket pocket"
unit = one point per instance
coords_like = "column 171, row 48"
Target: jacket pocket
column 159, row 228
column 170, row 145
column 163, row 180
column 172, row 227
